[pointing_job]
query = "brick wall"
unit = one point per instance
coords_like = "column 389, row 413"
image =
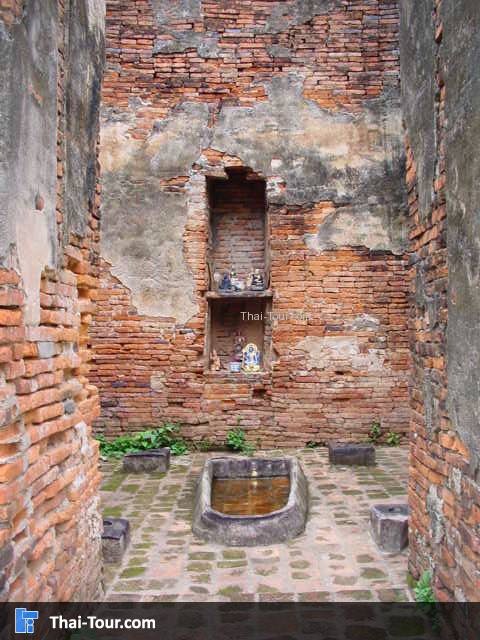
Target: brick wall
column 50, row 523
column 339, row 344
column 346, row 54
column 444, row 494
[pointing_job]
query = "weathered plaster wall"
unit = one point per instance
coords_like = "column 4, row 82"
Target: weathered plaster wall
column 460, row 54
column 86, row 52
column 306, row 94
column 28, row 132
column 49, row 518
column 440, row 47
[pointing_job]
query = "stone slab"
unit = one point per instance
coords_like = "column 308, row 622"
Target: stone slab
column 115, row 539
column 153, row 460
column 389, row 526
column 351, row 453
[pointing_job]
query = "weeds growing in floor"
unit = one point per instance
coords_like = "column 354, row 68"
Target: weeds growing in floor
column 237, row 441
column 168, row 435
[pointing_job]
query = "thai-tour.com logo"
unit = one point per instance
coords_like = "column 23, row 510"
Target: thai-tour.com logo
column 25, row 620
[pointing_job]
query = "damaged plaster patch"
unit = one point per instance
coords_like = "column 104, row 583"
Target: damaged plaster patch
column 435, row 511
column 417, row 49
column 176, row 10
column 34, row 253
column 96, row 14
column 143, row 241
column 169, row 151
column 346, row 228
column 174, row 40
column 86, row 47
column 330, row 351
column 169, row 155
column 325, row 156
column 205, row 44
column 292, row 13
column 143, row 224
column 365, row 322
column 28, row 140
column 118, row 147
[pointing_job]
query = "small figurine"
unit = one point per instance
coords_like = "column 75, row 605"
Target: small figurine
column 217, row 278
column 236, row 282
column 226, row 283
column 257, row 282
column 238, row 344
column 240, row 285
column 250, row 358
column 215, row 364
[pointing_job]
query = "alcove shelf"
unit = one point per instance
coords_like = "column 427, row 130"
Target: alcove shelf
column 218, row 295
column 238, row 239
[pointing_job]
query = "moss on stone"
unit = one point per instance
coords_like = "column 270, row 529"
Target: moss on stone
column 231, row 591
column 231, row 564
column 201, row 555
column 112, row 512
column 131, row 488
column 113, row 483
column 299, row 564
column 199, row 567
column 233, row 554
column 265, row 588
column 132, row 572
column 346, row 581
column 365, row 558
column 371, row 573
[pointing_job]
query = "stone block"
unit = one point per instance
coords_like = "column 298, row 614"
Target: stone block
column 115, row 539
column 157, row 460
column 351, row 453
column 389, row 526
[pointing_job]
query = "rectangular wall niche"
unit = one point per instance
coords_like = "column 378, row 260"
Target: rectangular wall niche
column 238, row 234
column 238, row 242
column 250, row 318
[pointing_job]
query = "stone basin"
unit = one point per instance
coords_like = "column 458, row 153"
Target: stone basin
column 251, row 530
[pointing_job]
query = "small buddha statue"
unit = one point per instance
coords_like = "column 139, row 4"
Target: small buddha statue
column 217, row 278
column 257, row 282
column 226, row 283
column 250, row 358
column 234, row 279
column 238, row 344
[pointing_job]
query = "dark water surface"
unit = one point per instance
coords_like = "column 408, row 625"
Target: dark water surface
column 249, row 496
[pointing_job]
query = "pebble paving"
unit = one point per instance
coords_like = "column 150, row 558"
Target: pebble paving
column 335, row 560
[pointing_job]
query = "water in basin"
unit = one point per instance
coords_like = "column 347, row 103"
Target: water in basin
column 249, row 496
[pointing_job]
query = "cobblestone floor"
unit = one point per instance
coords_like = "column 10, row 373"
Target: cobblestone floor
column 334, row 560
